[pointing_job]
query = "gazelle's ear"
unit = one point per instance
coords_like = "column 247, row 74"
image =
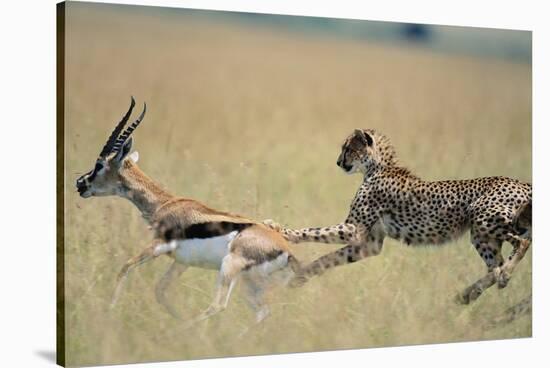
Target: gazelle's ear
column 134, row 156
column 364, row 136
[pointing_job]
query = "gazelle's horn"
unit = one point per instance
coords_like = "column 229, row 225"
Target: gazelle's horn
column 114, row 135
column 124, row 136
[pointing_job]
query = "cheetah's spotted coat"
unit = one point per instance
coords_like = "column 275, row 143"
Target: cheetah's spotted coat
column 392, row 202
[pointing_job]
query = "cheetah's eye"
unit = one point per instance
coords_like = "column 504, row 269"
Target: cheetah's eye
column 357, row 144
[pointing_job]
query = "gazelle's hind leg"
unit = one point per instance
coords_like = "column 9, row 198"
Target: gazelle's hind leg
column 145, row 256
column 232, row 265
column 254, row 293
column 173, row 272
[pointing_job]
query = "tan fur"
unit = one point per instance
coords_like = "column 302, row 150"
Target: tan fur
column 176, row 219
column 184, row 211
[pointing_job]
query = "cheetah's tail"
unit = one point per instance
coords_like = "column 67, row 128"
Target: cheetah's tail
column 523, row 220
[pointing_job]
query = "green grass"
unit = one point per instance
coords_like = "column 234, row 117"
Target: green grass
column 251, row 121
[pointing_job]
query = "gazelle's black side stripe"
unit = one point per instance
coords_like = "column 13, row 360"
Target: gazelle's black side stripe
column 211, row 229
column 203, row 230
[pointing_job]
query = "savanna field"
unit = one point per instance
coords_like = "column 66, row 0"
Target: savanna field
column 250, row 119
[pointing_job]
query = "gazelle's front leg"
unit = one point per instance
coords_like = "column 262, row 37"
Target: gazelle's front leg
column 175, row 270
column 337, row 234
column 145, row 256
column 231, row 267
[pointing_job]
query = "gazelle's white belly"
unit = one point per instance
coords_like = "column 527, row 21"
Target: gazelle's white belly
column 204, row 253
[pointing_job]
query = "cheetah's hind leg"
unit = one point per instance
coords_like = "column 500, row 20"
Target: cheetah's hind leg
column 504, row 273
column 473, row 292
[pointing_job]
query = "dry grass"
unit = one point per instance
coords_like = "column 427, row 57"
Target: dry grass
column 250, row 120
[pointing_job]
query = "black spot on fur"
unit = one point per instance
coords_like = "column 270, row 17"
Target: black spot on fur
column 369, row 139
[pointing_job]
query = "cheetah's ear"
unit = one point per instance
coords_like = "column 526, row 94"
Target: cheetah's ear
column 364, row 136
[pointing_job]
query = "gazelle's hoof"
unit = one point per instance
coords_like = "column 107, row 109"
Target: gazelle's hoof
column 113, row 302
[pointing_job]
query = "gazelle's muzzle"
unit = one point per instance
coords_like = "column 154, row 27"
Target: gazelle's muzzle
column 115, row 143
column 81, row 185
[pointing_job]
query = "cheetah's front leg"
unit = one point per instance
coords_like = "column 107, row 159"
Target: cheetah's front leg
column 363, row 245
column 337, row 234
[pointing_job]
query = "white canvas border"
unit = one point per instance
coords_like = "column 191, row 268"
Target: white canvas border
column 28, row 185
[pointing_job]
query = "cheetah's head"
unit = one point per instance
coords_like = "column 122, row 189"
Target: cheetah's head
column 365, row 148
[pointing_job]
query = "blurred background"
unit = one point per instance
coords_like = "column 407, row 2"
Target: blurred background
column 506, row 44
column 246, row 113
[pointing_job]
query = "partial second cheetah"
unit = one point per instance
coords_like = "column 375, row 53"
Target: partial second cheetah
column 392, row 202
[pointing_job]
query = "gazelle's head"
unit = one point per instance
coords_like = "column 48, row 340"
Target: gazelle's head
column 104, row 178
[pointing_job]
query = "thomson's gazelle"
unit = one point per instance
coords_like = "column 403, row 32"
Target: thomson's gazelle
column 189, row 232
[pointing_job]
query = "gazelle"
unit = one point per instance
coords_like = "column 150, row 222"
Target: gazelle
column 189, row 232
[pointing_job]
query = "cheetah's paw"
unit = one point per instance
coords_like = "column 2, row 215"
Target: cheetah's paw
column 297, row 281
column 502, row 277
column 272, row 225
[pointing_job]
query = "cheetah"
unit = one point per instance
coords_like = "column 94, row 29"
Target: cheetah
column 393, row 202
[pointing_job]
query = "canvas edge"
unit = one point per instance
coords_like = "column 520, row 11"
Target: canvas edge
column 60, row 171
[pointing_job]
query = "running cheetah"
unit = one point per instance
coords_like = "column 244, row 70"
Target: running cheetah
column 393, row 202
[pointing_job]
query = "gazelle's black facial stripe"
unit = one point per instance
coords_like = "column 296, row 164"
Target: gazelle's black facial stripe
column 83, row 182
column 89, row 176
column 92, row 174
